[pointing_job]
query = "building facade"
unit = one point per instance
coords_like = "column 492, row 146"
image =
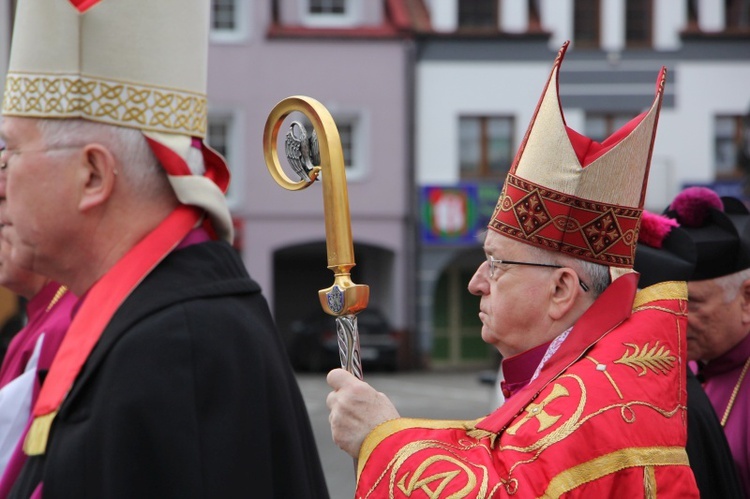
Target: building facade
column 480, row 71
column 432, row 99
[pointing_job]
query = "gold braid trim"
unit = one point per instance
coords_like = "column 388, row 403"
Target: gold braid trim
column 735, row 391
column 114, row 102
column 388, row 428
column 58, row 294
column 649, row 482
column 669, row 290
column 605, row 465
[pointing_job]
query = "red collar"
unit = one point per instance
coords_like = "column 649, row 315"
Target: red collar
column 608, row 311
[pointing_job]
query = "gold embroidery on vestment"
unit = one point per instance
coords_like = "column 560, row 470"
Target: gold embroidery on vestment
column 658, row 359
column 475, row 475
column 610, row 463
column 608, row 376
column 669, row 290
column 537, row 411
column 649, row 482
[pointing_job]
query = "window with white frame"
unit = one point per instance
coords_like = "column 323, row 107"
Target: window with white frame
column 731, row 145
column 330, row 13
column 228, row 20
column 478, row 15
column 327, row 7
column 223, row 136
column 352, row 132
column 485, row 146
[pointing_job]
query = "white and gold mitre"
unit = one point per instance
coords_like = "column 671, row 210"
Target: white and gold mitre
column 132, row 63
column 567, row 193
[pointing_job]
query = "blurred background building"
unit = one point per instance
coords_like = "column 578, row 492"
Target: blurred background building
column 432, row 98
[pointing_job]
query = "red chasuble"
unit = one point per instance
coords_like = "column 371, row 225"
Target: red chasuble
column 606, row 417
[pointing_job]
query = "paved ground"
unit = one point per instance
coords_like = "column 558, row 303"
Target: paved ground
column 436, row 395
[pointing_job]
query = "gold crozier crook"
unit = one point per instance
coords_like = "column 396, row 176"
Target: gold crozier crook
column 343, row 299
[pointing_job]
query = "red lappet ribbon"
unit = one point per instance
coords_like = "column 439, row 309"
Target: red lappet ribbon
column 101, row 303
column 84, row 5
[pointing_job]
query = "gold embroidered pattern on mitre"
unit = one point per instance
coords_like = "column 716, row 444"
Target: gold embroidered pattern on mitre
column 594, row 231
column 531, row 213
column 106, row 101
column 602, row 232
column 658, row 359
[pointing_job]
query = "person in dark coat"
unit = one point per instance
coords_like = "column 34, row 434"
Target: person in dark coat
column 667, row 252
column 171, row 380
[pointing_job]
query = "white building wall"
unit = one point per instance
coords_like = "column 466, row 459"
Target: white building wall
column 514, row 16
column 613, row 25
column 684, row 148
column 443, row 14
column 557, row 19
column 710, row 15
column 447, row 90
column 670, row 18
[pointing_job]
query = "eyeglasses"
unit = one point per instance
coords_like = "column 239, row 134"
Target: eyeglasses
column 6, row 154
column 491, row 262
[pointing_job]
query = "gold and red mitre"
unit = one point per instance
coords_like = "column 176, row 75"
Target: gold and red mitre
column 132, row 63
column 567, row 193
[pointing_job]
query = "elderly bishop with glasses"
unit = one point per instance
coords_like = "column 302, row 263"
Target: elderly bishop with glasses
column 595, row 369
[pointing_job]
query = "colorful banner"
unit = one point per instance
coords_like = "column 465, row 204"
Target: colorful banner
column 456, row 214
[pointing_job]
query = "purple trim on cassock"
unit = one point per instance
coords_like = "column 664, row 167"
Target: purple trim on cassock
column 54, row 324
column 720, row 377
column 518, row 369
column 195, row 236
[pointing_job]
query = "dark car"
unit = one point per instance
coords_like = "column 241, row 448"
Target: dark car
column 313, row 344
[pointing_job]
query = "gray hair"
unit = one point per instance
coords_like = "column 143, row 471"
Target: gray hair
column 594, row 275
column 730, row 284
column 137, row 163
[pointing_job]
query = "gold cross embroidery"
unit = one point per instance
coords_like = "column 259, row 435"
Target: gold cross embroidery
column 537, row 411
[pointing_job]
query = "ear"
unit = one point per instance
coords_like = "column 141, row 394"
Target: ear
column 99, row 176
column 744, row 295
column 565, row 293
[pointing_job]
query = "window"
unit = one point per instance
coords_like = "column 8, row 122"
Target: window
column 223, row 136
column 731, row 145
column 478, row 14
column 586, row 23
column 327, row 7
column 485, row 146
column 737, row 15
column 351, row 127
column 599, row 126
column 228, row 22
column 638, row 17
column 330, row 13
column 223, row 15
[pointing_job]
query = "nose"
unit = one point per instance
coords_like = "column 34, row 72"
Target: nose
column 479, row 284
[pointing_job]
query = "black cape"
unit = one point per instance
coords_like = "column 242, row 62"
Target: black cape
column 188, row 393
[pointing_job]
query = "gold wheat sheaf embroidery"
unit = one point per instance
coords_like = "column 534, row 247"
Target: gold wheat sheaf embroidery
column 118, row 103
column 658, row 359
